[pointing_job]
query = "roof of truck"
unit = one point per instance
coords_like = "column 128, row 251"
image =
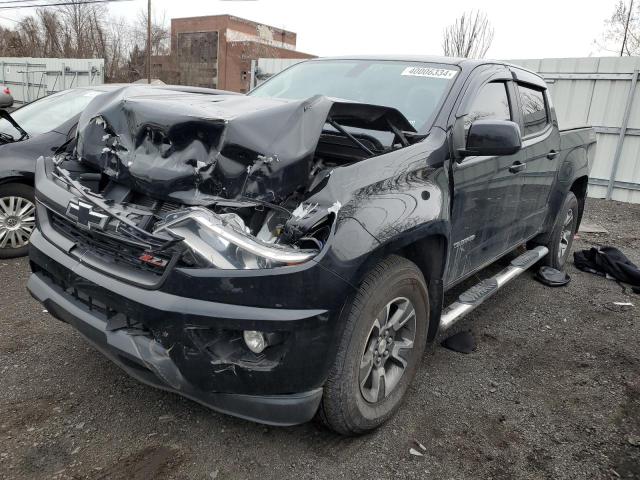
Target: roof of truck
column 405, row 58
column 463, row 63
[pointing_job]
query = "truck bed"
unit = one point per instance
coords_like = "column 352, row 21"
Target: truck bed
column 579, row 137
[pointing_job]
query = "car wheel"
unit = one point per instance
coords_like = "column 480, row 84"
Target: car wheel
column 561, row 238
column 384, row 339
column 17, row 219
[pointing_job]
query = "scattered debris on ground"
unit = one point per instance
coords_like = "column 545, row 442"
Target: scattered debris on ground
column 551, row 277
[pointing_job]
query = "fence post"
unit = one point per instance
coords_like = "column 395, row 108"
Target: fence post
column 26, row 76
column 63, row 81
column 623, row 132
column 252, row 81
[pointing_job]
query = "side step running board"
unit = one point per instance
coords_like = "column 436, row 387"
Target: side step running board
column 477, row 294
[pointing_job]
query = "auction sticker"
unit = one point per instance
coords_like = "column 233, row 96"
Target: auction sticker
column 429, row 72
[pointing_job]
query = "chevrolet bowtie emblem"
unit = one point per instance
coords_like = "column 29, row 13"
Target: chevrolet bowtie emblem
column 85, row 216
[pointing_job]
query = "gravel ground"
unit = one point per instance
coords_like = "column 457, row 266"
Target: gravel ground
column 552, row 391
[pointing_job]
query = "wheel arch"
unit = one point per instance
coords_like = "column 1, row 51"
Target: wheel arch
column 429, row 253
column 21, row 179
column 430, row 256
column 579, row 188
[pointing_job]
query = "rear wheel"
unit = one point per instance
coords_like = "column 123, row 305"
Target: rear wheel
column 384, row 339
column 561, row 238
column 17, row 219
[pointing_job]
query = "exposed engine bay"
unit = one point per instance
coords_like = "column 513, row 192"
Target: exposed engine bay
column 224, row 180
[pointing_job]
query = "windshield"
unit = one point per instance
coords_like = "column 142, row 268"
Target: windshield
column 50, row 112
column 415, row 89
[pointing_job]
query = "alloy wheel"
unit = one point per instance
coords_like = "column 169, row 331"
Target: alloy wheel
column 387, row 350
column 565, row 236
column 17, row 221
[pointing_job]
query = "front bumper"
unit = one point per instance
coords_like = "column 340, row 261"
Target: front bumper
column 178, row 344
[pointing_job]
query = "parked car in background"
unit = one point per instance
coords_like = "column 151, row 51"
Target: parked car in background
column 48, row 123
column 286, row 253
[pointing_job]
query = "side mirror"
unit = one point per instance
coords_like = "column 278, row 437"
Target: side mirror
column 492, row 137
column 6, row 100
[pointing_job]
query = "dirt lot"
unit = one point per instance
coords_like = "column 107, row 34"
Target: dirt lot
column 553, row 391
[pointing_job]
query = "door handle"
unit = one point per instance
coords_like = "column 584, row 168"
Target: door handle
column 517, row 167
column 552, row 154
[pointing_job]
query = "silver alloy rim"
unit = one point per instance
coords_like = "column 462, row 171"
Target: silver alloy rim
column 17, row 221
column 565, row 236
column 386, row 353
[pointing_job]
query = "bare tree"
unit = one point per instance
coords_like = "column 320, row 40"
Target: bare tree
column 82, row 30
column 470, row 36
column 160, row 34
column 622, row 29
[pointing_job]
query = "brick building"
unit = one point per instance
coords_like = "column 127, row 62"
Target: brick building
column 216, row 51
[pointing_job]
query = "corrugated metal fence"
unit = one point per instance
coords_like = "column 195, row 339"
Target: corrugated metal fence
column 32, row 78
column 602, row 92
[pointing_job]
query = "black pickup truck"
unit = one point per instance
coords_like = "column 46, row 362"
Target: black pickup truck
column 284, row 254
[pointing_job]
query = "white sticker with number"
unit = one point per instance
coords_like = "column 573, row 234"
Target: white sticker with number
column 429, row 72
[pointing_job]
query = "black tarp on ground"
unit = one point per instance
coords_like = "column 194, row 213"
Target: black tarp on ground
column 609, row 261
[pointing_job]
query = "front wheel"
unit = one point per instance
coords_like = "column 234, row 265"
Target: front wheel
column 384, row 339
column 17, row 219
column 564, row 229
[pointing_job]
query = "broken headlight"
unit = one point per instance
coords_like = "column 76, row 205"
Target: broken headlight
column 222, row 241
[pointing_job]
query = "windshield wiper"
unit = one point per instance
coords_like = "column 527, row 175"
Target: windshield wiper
column 357, row 142
column 7, row 116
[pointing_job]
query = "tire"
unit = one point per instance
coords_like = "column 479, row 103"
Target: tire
column 17, row 219
column 354, row 403
column 561, row 238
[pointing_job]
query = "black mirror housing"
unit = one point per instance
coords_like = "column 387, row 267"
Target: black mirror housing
column 492, row 137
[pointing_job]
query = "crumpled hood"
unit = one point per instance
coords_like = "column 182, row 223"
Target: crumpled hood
column 196, row 148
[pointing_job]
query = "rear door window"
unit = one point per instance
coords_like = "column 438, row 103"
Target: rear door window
column 534, row 110
column 491, row 103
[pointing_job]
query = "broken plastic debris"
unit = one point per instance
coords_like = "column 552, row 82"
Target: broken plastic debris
column 303, row 210
column 462, row 342
column 268, row 158
column 415, row 452
column 586, row 227
column 619, row 306
column 335, row 208
column 552, row 277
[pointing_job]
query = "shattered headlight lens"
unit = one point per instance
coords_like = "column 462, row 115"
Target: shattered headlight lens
column 222, row 241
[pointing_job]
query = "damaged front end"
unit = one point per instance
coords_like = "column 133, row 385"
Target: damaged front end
column 224, row 241
column 225, row 178
column 184, row 235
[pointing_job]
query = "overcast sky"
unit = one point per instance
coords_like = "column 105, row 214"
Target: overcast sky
column 542, row 28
